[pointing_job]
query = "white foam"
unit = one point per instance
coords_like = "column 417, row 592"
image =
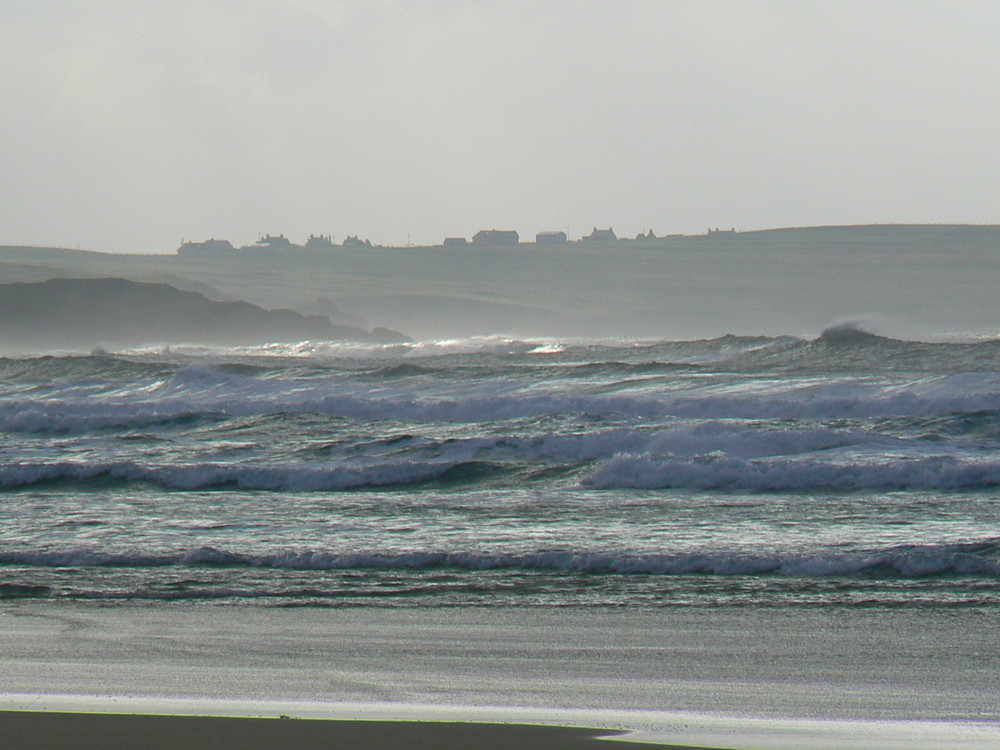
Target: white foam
column 208, row 390
column 333, row 350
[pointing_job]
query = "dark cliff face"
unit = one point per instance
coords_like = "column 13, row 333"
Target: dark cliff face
column 83, row 313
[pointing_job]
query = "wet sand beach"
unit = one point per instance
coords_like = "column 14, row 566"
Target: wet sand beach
column 683, row 677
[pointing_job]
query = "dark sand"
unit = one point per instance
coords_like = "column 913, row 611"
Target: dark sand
column 50, row 730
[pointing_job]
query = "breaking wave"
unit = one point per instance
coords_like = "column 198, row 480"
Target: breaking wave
column 959, row 393
column 208, row 476
column 973, row 559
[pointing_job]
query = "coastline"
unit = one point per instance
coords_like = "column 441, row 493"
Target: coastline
column 771, row 282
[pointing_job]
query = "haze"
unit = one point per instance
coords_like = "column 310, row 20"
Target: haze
column 128, row 126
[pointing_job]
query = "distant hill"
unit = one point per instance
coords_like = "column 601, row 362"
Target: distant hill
column 933, row 279
column 80, row 314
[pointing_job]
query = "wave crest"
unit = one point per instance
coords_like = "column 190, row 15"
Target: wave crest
column 975, row 560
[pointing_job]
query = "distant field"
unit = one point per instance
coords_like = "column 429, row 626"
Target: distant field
column 919, row 279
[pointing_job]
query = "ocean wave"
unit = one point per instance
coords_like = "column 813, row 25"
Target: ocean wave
column 495, row 401
column 689, row 441
column 266, row 477
column 83, row 418
column 846, row 336
column 23, row 590
column 626, row 382
column 709, row 454
column 728, row 473
column 974, row 560
column 335, row 350
column 848, row 347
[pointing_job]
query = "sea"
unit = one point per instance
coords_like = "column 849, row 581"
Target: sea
column 842, row 489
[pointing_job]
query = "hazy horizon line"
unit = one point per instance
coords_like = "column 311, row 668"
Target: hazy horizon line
column 711, row 231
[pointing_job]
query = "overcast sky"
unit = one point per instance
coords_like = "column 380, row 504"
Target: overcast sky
column 128, row 125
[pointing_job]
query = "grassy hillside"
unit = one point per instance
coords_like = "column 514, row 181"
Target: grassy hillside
column 80, row 314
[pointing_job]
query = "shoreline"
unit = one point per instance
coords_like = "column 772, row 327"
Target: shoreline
column 747, row 678
column 63, row 730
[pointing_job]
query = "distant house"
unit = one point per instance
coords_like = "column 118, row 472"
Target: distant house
column 649, row 236
column 208, row 247
column 319, row 242
column 732, row 230
column 495, row 237
column 271, row 242
column 602, row 234
column 550, row 238
column 455, row 242
column 352, row 240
